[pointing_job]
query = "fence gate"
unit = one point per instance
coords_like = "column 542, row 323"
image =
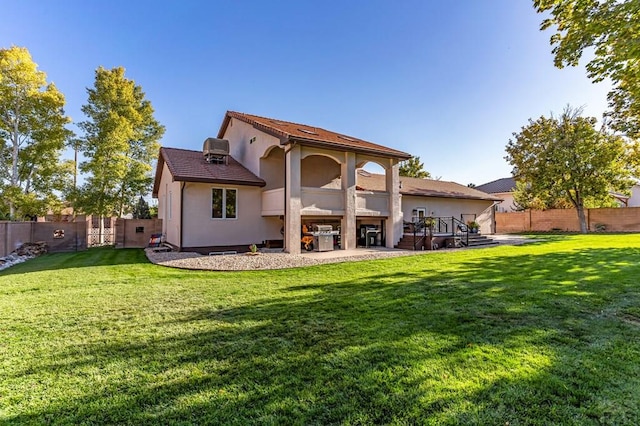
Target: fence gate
column 105, row 236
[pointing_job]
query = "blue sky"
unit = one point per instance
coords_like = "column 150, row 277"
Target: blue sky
column 446, row 81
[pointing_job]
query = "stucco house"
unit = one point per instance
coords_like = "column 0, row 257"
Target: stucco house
column 278, row 179
column 502, row 188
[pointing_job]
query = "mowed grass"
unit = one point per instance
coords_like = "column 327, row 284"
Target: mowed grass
column 546, row 333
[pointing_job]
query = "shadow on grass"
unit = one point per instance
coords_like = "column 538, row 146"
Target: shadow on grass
column 98, row 256
column 525, row 339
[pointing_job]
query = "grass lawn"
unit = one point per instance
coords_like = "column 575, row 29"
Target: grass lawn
column 546, row 333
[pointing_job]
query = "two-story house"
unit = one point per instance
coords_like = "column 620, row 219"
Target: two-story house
column 278, row 177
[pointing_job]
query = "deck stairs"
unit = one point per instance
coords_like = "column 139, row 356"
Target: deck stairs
column 447, row 230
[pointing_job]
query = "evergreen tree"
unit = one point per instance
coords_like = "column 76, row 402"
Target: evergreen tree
column 141, row 211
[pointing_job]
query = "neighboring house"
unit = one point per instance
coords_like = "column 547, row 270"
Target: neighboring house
column 502, row 188
column 505, row 187
column 278, row 178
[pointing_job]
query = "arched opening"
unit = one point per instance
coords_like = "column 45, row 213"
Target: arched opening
column 371, row 176
column 319, row 171
column 272, row 167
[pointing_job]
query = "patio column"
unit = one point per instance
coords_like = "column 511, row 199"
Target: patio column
column 292, row 220
column 348, row 179
column 394, row 224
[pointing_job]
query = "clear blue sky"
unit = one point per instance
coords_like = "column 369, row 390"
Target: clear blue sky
column 446, row 81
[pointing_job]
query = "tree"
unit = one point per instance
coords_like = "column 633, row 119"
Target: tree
column 612, row 29
column 141, row 211
column 567, row 158
column 120, row 142
column 33, row 135
column 414, row 168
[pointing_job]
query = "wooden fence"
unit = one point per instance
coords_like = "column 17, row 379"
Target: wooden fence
column 623, row 219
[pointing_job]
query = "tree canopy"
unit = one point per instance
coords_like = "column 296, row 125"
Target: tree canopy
column 414, row 168
column 120, row 142
column 566, row 158
column 33, row 135
column 612, row 29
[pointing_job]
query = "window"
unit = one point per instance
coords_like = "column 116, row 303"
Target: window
column 224, row 203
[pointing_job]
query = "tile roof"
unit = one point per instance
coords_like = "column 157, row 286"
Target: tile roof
column 498, row 185
column 190, row 166
column 311, row 135
column 422, row 187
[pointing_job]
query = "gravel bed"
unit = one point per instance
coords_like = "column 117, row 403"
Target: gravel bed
column 244, row 262
column 279, row 260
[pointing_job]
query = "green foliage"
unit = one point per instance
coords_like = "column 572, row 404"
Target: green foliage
column 612, row 29
column 141, row 210
column 414, row 168
column 538, row 334
column 566, row 158
column 33, row 135
column 121, row 140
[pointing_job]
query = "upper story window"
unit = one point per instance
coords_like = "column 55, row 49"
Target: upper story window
column 224, row 203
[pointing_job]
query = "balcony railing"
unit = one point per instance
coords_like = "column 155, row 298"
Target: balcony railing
column 372, row 203
column 324, row 201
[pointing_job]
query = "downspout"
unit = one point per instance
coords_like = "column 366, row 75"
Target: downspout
column 182, row 185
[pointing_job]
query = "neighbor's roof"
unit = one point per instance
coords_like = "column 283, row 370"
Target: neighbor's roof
column 190, row 166
column 422, row 187
column 499, row 185
column 310, row 135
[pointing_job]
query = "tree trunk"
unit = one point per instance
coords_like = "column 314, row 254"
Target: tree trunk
column 14, row 164
column 583, row 220
column 101, row 231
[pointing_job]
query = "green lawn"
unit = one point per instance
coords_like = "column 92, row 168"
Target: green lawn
column 546, row 333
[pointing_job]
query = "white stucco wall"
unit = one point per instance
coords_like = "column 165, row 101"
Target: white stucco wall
column 242, row 149
column 200, row 230
column 169, row 207
column 634, row 200
column 446, row 207
column 507, row 205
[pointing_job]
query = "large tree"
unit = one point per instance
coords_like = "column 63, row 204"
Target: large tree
column 567, row 158
column 33, row 135
column 414, row 168
column 121, row 140
column 612, row 29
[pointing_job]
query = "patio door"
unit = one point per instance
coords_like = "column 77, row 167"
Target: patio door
column 419, row 214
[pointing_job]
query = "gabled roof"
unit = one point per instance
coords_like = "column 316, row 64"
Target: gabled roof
column 190, row 166
column 294, row 132
column 498, row 185
column 422, row 187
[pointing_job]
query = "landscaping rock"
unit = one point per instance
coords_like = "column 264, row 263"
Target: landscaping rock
column 25, row 252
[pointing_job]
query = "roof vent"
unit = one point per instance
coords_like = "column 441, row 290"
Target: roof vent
column 216, row 150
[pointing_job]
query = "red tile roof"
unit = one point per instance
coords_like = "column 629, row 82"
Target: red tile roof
column 311, row 135
column 190, row 166
column 422, row 187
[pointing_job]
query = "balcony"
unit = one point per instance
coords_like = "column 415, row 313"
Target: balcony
column 327, row 202
column 322, row 202
column 372, row 203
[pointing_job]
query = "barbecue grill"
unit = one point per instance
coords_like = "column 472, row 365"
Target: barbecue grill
column 323, row 237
